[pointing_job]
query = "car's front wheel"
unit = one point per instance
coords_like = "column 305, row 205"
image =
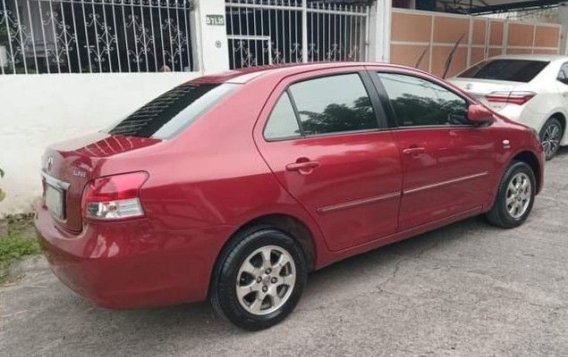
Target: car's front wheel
column 259, row 279
column 515, row 196
column 550, row 137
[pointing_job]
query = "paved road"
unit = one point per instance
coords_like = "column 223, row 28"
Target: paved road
column 465, row 290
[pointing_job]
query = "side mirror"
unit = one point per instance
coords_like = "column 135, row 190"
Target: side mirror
column 477, row 113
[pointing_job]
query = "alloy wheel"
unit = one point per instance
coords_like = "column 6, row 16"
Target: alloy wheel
column 265, row 280
column 519, row 195
column 551, row 139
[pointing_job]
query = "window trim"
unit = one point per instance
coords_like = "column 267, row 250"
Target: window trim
column 386, row 102
column 366, row 80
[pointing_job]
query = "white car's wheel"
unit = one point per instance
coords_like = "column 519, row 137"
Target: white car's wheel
column 550, row 136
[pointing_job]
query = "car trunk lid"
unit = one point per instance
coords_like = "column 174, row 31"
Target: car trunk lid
column 69, row 166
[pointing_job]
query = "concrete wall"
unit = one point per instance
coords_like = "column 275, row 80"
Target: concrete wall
column 36, row 110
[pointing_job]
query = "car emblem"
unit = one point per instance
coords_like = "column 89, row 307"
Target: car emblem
column 468, row 86
column 49, row 163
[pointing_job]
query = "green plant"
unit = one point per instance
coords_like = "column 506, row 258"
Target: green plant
column 17, row 239
column 15, row 246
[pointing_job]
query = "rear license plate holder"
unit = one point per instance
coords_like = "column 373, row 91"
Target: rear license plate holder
column 55, row 201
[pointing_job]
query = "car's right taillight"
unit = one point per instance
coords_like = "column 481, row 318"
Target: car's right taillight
column 114, row 197
column 518, row 97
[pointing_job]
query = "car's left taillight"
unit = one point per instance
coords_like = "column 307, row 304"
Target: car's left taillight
column 514, row 97
column 114, row 197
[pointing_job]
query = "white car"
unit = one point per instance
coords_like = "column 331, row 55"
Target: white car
column 531, row 89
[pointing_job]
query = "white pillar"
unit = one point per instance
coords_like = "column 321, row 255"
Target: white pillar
column 380, row 31
column 563, row 20
column 211, row 51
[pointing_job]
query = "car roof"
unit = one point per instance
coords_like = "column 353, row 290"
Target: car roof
column 244, row 75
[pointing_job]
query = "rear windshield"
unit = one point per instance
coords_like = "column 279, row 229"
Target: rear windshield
column 173, row 111
column 506, row 70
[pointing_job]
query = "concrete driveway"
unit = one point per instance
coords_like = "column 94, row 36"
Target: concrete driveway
column 465, row 290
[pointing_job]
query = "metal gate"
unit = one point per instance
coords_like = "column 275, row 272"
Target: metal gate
column 89, row 36
column 263, row 32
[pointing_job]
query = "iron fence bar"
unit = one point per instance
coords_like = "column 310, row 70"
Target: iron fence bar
column 143, row 34
column 77, row 48
column 94, row 18
column 86, row 38
column 42, row 26
column 153, row 38
column 107, row 44
column 233, row 47
column 22, row 43
column 168, row 24
column 162, row 38
column 52, row 20
column 116, row 36
column 7, row 22
column 32, row 34
column 187, row 33
column 179, row 40
column 123, row 11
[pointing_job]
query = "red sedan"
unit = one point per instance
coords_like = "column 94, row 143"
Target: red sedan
column 234, row 187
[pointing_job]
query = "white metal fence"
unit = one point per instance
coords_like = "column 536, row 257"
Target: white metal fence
column 262, row 32
column 86, row 36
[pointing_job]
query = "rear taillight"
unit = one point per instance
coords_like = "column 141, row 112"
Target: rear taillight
column 114, row 197
column 518, row 98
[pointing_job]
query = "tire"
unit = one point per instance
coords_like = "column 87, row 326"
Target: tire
column 514, row 200
column 269, row 292
column 551, row 136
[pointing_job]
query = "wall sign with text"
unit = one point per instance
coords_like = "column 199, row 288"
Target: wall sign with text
column 215, row 20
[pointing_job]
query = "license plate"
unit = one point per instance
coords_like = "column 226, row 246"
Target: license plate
column 54, row 201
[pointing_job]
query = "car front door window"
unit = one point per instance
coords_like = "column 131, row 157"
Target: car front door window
column 418, row 102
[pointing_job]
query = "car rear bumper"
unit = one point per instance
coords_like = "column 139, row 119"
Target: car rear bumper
column 132, row 264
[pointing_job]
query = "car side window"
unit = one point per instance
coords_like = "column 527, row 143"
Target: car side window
column 333, row 104
column 282, row 122
column 418, row 102
column 563, row 74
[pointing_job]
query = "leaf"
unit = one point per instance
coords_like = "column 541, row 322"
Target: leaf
column 2, row 195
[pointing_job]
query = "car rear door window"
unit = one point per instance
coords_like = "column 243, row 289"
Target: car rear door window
column 173, row 111
column 506, row 70
column 333, row 104
column 282, row 122
column 563, row 74
column 418, row 102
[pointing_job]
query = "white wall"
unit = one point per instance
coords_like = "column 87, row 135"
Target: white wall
column 36, row 110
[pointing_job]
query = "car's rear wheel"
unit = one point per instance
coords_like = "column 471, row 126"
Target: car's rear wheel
column 515, row 197
column 259, row 278
column 550, row 137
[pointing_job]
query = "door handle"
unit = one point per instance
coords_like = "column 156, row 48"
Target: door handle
column 414, row 151
column 304, row 166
